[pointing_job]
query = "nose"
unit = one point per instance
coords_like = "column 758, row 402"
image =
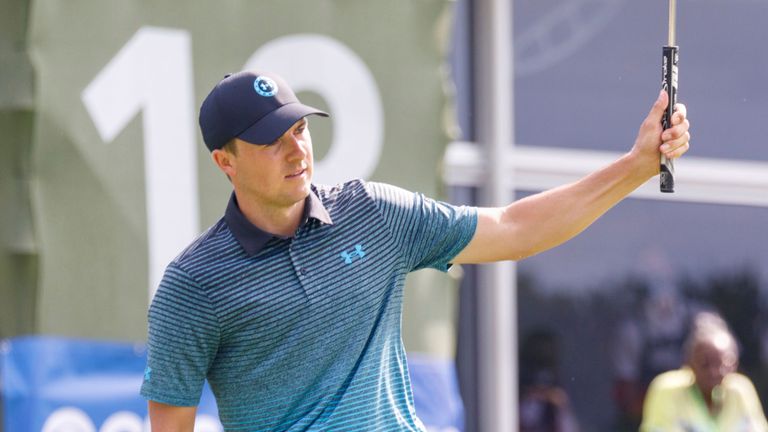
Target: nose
column 717, row 373
column 296, row 147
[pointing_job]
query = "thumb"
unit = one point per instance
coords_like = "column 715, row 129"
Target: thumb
column 657, row 110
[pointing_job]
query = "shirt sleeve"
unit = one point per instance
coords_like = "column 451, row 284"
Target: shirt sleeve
column 183, row 340
column 658, row 409
column 430, row 233
column 752, row 411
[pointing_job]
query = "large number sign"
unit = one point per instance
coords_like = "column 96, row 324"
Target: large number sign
column 129, row 85
column 123, row 179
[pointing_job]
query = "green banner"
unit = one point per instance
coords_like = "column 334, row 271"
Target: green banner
column 18, row 254
column 123, row 181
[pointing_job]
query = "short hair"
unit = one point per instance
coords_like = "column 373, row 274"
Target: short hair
column 709, row 327
column 230, row 146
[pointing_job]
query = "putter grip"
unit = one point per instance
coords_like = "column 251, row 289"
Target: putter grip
column 669, row 84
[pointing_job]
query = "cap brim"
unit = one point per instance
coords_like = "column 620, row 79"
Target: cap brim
column 272, row 126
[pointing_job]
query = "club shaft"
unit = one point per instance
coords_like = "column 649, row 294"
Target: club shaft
column 672, row 13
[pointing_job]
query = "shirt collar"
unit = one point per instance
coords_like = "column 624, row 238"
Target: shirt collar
column 253, row 238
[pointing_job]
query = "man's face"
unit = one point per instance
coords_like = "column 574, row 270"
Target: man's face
column 710, row 362
column 276, row 175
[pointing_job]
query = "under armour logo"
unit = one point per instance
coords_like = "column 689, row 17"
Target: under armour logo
column 147, row 373
column 349, row 256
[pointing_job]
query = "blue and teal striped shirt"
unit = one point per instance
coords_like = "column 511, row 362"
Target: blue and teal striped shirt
column 301, row 333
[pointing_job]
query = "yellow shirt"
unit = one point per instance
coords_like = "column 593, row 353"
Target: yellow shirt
column 675, row 404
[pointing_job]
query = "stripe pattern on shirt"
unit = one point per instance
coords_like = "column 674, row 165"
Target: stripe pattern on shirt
column 304, row 334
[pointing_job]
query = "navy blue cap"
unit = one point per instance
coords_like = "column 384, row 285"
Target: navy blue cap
column 257, row 107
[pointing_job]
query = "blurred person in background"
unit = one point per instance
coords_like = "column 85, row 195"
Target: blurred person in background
column 706, row 394
column 645, row 345
column 544, row 403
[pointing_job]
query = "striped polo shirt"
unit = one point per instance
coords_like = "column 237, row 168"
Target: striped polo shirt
column 301, row 333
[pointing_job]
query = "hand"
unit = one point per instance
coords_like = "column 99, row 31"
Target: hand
column 652, row 140
column 548, row 394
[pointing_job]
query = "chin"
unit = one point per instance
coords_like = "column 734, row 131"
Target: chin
column 304, row 192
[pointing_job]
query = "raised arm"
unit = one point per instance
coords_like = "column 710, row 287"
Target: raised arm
column 170, row 418
column 545, row 220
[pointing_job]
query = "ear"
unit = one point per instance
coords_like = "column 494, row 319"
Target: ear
column 225, row 160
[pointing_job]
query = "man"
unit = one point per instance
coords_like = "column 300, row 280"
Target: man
column 648, row 342
column 290, row 305
column 707, row 394
column 544, row 404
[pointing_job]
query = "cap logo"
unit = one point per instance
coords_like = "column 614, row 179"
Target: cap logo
column 265, row 86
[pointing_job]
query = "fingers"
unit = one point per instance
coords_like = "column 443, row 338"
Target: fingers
column 672, row 142
column 659, row 107
column 681, row 113
column 677, row 131
column 676, row 138
column 657, row 110
column 652, row 123
column 674, row 150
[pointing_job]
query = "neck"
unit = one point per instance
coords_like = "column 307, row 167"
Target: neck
column 278, row 220
column 712, row 401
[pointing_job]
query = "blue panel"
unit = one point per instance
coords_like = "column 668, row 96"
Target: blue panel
column 46, row 377
column 88, row 384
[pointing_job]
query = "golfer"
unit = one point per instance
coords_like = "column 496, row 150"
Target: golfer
column 290, row 305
